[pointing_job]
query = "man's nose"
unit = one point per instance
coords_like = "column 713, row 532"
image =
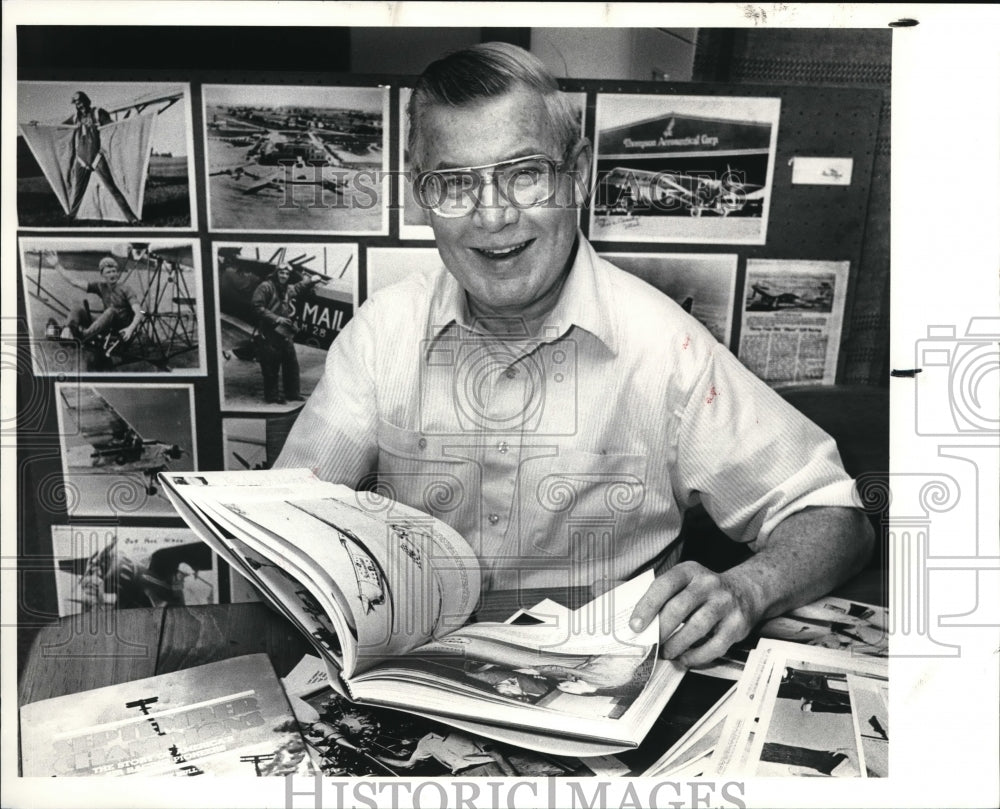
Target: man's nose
column 493, row 211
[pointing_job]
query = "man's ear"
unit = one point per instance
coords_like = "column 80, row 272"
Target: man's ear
column 581, row 172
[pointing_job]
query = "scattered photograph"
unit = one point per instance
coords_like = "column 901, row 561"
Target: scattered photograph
column 104, row 154
column 116, row 439
column 811, row 727
column 387, row 265
column 704, row 285
column 346, row 739
column 279, row 306
column 116, row 567
column 110, row 307
column 793, row 312
column 297, row 159
column 414, row 220
column 674, row 168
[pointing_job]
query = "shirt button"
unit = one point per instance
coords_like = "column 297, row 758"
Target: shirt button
column 494, row 518
column 502, row 447
column 422, row 443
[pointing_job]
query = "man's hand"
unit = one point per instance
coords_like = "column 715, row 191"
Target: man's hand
column 713, row 611
column 126, row 333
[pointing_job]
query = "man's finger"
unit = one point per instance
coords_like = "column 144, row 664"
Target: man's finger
column 663, row 588
column 728, row 631
column 696, row 628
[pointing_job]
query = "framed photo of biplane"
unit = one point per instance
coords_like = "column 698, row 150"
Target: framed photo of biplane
column 114, row 307
column 105, row 154
column 674, row 168
column 279, row 306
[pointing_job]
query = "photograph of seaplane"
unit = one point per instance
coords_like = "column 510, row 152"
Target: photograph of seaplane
column 320, row 281
column 104, row 154
column 117, row 567
column 82, row 297
column 109, row 462
column 297, row 159
column 670, row 168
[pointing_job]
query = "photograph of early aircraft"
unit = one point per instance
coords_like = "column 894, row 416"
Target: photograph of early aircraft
column 254, row 443
column 116, row 439
column 104, row 154
column 638, row 192
column 675, row 168
column 112, row 307
column 117, row 567
column 297, row 159
column 320, row 281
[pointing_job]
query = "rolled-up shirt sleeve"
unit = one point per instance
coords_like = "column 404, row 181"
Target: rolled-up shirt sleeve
column 335, row 435
column 750, row 457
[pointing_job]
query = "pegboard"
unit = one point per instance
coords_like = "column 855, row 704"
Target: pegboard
column 806, row 222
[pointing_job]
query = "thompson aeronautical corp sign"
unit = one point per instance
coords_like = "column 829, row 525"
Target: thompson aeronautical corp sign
column 670, row 134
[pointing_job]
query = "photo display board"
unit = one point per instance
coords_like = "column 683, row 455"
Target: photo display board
column 201, row 186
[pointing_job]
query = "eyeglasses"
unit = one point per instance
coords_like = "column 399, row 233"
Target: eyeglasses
column 524, row 182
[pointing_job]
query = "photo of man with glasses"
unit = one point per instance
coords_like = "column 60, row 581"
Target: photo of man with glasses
column 558, row 412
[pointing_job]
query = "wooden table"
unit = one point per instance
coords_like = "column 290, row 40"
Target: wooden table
column 95, row 649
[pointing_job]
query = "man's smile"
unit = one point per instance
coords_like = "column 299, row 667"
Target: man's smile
column 500, row 253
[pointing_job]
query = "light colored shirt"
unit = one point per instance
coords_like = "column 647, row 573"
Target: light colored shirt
column 571, row 457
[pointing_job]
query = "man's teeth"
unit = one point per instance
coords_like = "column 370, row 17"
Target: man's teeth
column 505, row 251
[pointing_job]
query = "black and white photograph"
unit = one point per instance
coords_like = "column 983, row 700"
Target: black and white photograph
column 675, row 168
column 104, row 154
column 109, row 567
column 115, row 440
column 254, row 443
column 284, row 159
column 648, row 400
column 114, row 307
column 703, row 284
column 387, row 265
column 793, row 315
column 279, row 307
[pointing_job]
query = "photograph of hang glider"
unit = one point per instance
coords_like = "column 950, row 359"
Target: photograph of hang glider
column 321, row 283
column 297, row 159
column 116, row 439
column 114, row 307
column 104, row 154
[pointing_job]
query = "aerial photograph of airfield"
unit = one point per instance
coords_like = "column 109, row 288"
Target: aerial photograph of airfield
column 297, row 159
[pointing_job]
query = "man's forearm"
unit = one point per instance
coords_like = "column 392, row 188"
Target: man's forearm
column 807, row 555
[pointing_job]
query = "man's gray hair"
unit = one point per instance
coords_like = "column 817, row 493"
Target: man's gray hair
column 488, row 70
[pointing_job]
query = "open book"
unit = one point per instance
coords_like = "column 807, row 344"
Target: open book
column 385, row 593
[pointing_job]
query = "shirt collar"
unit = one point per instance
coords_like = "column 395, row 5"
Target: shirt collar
column 585, row 302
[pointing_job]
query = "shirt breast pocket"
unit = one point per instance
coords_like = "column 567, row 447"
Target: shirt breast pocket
column 416, row 469
column 579, row 503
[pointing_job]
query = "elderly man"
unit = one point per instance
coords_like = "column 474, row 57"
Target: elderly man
column 558, row 412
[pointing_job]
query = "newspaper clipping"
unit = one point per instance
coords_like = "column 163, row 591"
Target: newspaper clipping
column 793, row 312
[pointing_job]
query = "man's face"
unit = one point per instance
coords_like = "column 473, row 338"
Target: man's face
column 110, row 274
column 509, row 261
column 283, row 275
column 78, row 103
